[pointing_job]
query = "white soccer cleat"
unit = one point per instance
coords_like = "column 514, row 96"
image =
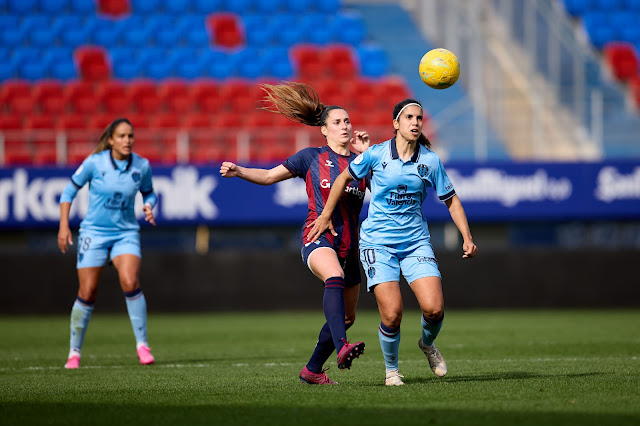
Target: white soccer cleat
column 393, row 378
column 436, row 361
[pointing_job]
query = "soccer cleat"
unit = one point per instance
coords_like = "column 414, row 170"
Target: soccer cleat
column 312, row 378
column 348, row 353
column 144, row 354
column 72, row 362
column 393, row 378
column 436, row 361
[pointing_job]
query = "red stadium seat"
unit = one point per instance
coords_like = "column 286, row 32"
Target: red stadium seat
column 81, row 98
column 176, row 94
column 634, row 87
column 17, row 153
column 12, row 88
column 11, row 121
column 72, row 122
column 622, row 59
column 261, row 120
column 92, row 63
column 114, row 97
column 198, row 121
column 42, row 122
column 144, row 96
column 114, row 7
column 206, row 96
column 22, row 104
column 308, row 60
column 340, row 60
column 226, row 30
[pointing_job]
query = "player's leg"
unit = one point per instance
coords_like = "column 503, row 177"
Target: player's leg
column 91, row 257
column 428, row 291
column 126, row 258
column 389, row 300
column 88, row 279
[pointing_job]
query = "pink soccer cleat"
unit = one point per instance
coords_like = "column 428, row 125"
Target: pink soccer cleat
column 144, row 354
column 311, row 378
column 72, row 362
column 348, row 353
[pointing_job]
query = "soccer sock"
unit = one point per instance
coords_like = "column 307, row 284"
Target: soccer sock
column 323, row 350
column 390, row 344
column 137, row 308
column 80, row 316
column 333, row 305
column 430, row 329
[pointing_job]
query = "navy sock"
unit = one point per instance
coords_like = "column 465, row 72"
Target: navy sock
column 333, row 305
column 323, row 350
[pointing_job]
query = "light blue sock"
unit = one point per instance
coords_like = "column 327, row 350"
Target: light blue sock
column 390, row 344
column 430, row 329
column 80, row 316
column 137, row 308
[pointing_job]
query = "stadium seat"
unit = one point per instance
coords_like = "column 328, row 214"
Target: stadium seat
column 341, row 60
column 81, row 97
column 197, row 121
column 114, row 97
column 113, row 7
column 307, row 60
column 23, row 7
column 634, row 88
column 11, row 121
column 92, row 63
column 270, row 6
column 176, row 95
column 206, row 96
column 373, row 60
column 53, row 7
column 622, row 59
column 225, row 29
column 83, row 7
column 144, row 96
column 72, row 122
column 348, row 28
column 49, row 94
column 12, row 88
column 17, row 153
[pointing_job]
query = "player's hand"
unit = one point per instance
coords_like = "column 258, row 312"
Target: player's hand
column 470, row 249
column 148, row 214
column 318, row 227
column 360, row 142
column 229, row 169
column 64, row 238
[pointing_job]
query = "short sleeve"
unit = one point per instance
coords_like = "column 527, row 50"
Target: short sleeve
column 84, row 173
column 442, row 184
column 298, row 163
column 361, row 165
column 146, row 185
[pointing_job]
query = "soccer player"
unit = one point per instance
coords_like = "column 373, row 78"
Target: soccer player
column 395, row 237
column 332, row 258
column 109, row 230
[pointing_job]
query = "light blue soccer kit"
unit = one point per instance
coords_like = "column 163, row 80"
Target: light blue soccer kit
column 110, row 224
column 110, row 228
column 395, row 237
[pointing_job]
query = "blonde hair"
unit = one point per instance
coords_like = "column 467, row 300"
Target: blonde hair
column 103, row 144
column 297, row 101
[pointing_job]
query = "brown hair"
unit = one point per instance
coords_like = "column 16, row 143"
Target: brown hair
column 422, row 139
column 297, row 101
column 103, row 145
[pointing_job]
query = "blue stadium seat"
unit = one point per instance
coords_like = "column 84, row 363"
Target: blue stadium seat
column 328, row 6
column 35, row 21
column 11, row 32
column 125, row 62
column 23, row 7
column 217, row 64
column 598, row 28
column 632, row 5
column 315, row 26
column 33, row 71
column 373, row 61
column 270, row 6
column 258, row 32
column 206, row 7
column 278, row 63
column 298, row 6
column 25, row 55
column 347, row 28
column 83, row 7
column 578, row 7
column 239, row 6
column 54, row 6
column 248, row 63
column 146, row 7
column 607, row 5
column 177, row 6
column 7, row 70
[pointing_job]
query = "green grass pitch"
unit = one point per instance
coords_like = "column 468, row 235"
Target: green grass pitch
column 505, row 368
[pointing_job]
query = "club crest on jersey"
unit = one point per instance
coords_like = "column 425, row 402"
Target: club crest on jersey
column 328, row 163
column 402, row 189
column 135, row 176
column 422, row 170
column 371, row 272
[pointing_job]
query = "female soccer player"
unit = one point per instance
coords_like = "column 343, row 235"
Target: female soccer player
column 395, row 238
column 115, row 175
column 332, row 258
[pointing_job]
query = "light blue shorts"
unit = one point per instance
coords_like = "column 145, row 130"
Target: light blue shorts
column 94, row 248
column 383, row 264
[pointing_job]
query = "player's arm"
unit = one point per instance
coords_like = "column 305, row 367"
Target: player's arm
column 64, row 232
column 323, row 222
column 259, row 176
column 460, row 219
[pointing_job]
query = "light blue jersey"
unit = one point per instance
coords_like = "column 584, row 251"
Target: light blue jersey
column 113, row 186
column 398, row 190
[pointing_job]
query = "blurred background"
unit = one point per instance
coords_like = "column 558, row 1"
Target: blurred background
column 540, row 136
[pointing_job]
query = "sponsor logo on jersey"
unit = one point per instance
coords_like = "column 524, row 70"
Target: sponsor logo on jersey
column 328, row 163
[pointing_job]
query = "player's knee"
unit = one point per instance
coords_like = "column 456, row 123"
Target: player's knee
column 434, row 315
column 392, row 319
column 129, row 284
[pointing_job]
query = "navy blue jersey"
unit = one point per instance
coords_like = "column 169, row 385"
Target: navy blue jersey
column 113, row 186
column 320, row 167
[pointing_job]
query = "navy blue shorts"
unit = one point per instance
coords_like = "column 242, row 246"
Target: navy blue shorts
column 350, row 264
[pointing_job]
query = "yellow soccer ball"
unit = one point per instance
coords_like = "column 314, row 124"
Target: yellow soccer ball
column 439, row 68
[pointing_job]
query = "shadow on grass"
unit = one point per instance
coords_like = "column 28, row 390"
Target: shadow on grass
column 248, row 414
column 511, row 375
